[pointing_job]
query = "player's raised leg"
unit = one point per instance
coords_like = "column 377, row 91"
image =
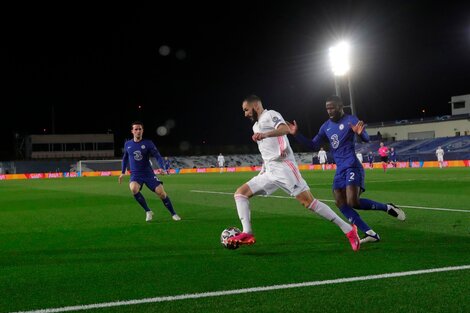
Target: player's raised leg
column 320, row 208
column 390, row 208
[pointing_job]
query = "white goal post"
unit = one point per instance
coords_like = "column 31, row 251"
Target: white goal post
column 98, row 165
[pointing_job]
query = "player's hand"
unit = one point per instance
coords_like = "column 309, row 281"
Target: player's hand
column 293, row 128
column 358, row 128
column 258, row 136
column 120, row 178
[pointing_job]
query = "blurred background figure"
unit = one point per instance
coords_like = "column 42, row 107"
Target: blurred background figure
column 221, row 162
column 322, row 158
column 440, row 156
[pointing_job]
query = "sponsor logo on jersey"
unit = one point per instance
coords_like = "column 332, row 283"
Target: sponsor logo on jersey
column 138, row 155
column 334, row 141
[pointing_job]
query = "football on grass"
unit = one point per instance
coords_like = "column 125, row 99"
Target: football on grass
column 229, row 233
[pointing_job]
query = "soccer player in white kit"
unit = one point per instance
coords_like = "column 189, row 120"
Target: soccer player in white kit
column 221, row 162
column 322, row 158
column 279, row 171
column 359, row 157
column 440, row 156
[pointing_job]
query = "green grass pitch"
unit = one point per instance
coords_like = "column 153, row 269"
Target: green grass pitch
column 80, row 241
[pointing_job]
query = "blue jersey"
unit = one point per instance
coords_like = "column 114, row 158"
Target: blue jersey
column 341, row 138
column 137, row 157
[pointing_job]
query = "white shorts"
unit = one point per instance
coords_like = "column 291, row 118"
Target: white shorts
column 284, row 175
column 440, row 159
column 322, row 161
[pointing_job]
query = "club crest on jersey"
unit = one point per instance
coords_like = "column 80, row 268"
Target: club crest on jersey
column 275, row 119
column 142, row 146
column 341, row 126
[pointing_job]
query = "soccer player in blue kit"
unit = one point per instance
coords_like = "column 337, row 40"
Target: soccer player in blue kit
column 137, row 154
column 348, row 183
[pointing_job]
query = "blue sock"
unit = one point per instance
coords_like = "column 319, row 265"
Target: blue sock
column 140, row 198
column 367, row 204
column 354, row 218
column 168, row 205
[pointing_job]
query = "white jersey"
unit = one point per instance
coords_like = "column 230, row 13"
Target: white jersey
column 279, row 169
column 221, row 160
column 322, row 156
column 440, row 154
column 359, row 157
column 272, row 148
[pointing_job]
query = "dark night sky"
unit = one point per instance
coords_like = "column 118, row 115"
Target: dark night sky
column 93, row 66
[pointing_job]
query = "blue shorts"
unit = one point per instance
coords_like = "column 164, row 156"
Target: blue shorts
column 349, row 176
column 151, row 182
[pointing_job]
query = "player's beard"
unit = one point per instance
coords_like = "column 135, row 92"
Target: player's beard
column 337, row 116
column 254, row 116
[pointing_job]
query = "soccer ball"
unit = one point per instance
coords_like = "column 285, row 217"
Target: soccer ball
column 229, row 233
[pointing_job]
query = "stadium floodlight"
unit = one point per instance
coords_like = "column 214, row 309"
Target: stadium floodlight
column 339, row 59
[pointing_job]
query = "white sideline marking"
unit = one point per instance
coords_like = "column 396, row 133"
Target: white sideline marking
column 326, row 200
column 247, row 290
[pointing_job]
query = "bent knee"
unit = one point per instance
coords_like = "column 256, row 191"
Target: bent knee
column 354, row 204
column 243, row 191
column 160, row 193
column 135, row 190
column 340, row 202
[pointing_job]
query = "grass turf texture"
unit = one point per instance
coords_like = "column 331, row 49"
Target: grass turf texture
column 79, row 241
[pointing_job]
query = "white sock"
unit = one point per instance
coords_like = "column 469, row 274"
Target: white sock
column 244, row 213
column 326, row 212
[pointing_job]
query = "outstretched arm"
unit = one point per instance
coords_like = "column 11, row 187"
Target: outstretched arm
column 310, row 144
column 293, row 128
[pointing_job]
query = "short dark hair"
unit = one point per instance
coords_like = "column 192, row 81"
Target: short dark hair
column 252, row 98
column 137, row 123
column 335, row 99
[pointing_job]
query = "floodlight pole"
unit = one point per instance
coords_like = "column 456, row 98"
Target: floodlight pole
column 351, row 92
column 337, row 86
column 351, row 98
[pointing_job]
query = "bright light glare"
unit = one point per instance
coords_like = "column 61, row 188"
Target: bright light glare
column 339, row 58
column 162, row 131
column 164, row 50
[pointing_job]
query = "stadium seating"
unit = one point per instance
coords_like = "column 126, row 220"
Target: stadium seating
column 456, row 148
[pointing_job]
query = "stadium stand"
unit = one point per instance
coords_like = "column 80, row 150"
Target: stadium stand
column 456, row 148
